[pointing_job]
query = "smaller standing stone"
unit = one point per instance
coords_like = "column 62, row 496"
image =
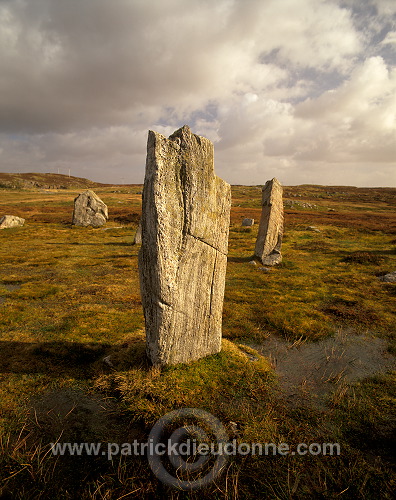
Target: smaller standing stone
column 11, row 221
column 138, row 235
column 89, row 210
column 269, row 238
column 248, row 222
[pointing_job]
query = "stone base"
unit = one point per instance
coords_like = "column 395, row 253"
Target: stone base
column 272, row 259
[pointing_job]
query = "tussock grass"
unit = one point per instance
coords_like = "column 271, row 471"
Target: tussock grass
column 365, row 258
column 72, row 332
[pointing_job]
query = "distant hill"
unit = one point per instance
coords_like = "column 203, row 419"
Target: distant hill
column 303, row 192
column 45, row 181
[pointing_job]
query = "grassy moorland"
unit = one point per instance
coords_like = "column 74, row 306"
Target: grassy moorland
column 69, row 299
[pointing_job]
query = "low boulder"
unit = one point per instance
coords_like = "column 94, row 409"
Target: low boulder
column 89, row 210
column 11, row 221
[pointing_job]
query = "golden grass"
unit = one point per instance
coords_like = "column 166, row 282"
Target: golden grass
column 69, row 298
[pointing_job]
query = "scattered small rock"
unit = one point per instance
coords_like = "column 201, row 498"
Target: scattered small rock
column 107, row 361
column 253, row 263
column 388, row 278
column 313, row 228
column 265, row 269
column 293, row 204
column 248, row 222
column 8, row 221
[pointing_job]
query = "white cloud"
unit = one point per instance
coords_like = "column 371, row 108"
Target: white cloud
column 390, row 38
column 359, row 118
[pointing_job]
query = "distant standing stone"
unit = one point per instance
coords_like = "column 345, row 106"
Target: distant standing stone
column 183, row 257
column 248, row 222
column 137, row 240
column 11, row 221
column 269, row 238
column 89, row 210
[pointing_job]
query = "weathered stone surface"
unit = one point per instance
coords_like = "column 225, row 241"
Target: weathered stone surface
column 183, row 257
column 89, row 210
column 269, row 238
column 248, row 222
column 11, row 221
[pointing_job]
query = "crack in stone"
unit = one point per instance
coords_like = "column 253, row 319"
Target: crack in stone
column 206, row 243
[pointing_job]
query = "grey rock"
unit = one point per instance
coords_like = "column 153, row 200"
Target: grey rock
column 8, row 221
column 248, row 222
column 183, row 257
column 253, row 263
column 313, row 228
column 273, row 258
column 265, row 269
column 89, row 210
column 108, row 362
column 297, row 204
column 269, row 238
column 388, row 278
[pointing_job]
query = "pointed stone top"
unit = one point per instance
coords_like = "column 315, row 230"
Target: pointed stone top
column 184, row 136
column 88, row 192
column 272, row 185
column 183, row 131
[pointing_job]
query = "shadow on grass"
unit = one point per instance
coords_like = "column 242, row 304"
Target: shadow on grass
column 79, row 360
column 240, row 259
column 366, row 257
column 128, row 219
column 111, row 243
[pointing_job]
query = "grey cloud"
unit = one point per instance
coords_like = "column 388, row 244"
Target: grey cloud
column 270, row 82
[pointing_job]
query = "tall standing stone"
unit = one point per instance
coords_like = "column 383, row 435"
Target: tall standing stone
column 269, row 238
column 89, row 210
column 183, row 257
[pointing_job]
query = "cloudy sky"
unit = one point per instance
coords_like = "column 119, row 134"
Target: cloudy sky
column 301, row 90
